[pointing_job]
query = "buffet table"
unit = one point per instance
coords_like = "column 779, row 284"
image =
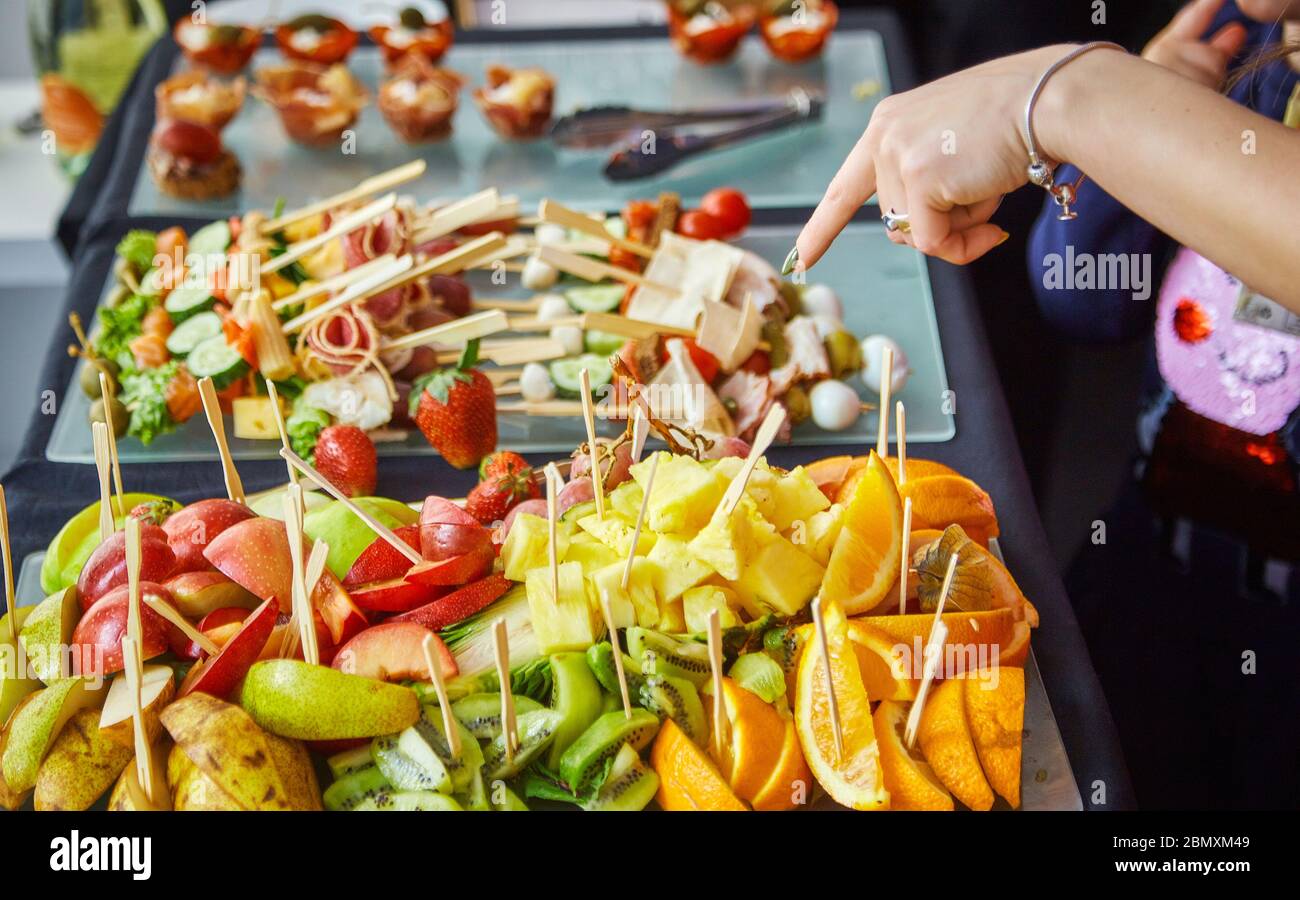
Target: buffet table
column 42, row 495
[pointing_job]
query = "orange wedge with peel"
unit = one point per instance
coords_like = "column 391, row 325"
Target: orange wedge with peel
column 790, row 783
column 995, row 711
column 942, row 500
column 911, row 782
column 885, row 668
column 688, row 780
column 752, row 753
column 851, row 774
column 984, row 638
column 837, row 475
column 919, row 468
column 945, row 739
column 865, row 561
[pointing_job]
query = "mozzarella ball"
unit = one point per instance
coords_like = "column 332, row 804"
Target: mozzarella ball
column 835, row 405
column 550, row 233
column 819, row 300
column 535, row 383
column 826, row 325
column 553, row 306
column 872, row 347
column 570, row 338
column 539, row 275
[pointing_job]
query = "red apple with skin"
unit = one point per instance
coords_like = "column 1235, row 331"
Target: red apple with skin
column 225, row 670
column 535, row 507
column 447, row 530
column 393, row 651
column 395, row 595
column 572, row 494
column 381, row 561
column 255, row 555
column 103, row 626
column 106, row 567
column 210, row 625
column 451, row 571
column 198, row 594
column 190, row 530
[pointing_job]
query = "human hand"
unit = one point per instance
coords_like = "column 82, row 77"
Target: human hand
column 1180, row 47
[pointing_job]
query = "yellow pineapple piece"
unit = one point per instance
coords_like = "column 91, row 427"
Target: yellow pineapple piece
column 616, row 534
column 625, row 501
column 817, row 535
column 699, row 602
column 564, row 622
column 685, row 493
column 780, row 577
column 677, row 568
column 527, row 545
column 797, row 498
column 588, row 552
column 636, row 605
column 761, row 486
column 672, row 619
column 728, row 542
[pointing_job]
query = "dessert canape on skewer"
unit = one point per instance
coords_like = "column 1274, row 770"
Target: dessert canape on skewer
column 517, row 102
column 422, row 31
column 197, row 97
column 419, row 100
column 315, row 38
column 316, row 103
column 223, row 49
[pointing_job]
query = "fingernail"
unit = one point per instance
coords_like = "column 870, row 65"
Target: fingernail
column 1002, row 240
column 791, row 260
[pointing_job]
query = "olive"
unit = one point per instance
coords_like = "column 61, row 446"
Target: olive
column 845, row 353
column 121, row 415
column 797, row 404
column 793, row 298
column 774, row 333
column 88, row 377
column 412, row 19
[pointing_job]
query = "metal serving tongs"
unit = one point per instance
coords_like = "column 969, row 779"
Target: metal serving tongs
column 639, row 159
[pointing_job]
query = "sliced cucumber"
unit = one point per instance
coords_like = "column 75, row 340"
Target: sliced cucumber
column 602, row 343
column 595, row 297
column 567, row 374
column 192, row 332
column 214, row 358
column 149, row 284
column 211, row 238
column 188, row 301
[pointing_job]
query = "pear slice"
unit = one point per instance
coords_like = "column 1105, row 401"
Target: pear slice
column 48, row 632
column 36, row 725
column 157, row 687
column 128, row 794
column 14, row 681
column 294, row 699
column 81, row 765
column 9, row 798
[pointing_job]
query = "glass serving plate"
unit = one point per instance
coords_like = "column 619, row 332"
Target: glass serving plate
column 788, row 169
column 885, row 289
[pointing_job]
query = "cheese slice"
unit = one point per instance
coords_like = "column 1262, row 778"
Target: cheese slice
column 730, row 334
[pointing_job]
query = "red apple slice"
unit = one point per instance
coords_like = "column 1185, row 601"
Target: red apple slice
column 199, row 593
column 453, row 570
column 210, row 625
column 458, row 604
column 190, row 530
column 447, row 530
column 97, row 640
column 393, row 651
column 380, row 562
column 105, row 570
column 221, row 673
column 395, row 595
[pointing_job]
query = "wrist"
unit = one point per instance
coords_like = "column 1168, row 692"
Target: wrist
column 1065, row 106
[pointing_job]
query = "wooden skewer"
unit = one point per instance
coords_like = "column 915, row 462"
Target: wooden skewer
column 455, row 260
column 900, row 417
column 375, row 184
column 320, row 552
column 454, row 216
column 11, row 602
column 640, row 519
column 589, row 419
column 372, row 283
column 762, row 440
column 102, row 465
column 533, row 323
column 335, row 282
column 374, row 524
column 836, row 727
column 274, row 396
column 720, row 740
column 640, row 431
column 503, row 375
column 561, row 409
column 550, row 211
column 513, row 352
column 212, row 409
column 552, row 518
column 905, row 566
column 134, row 672
column 454, row 332
column 346, row 224
column 886, row 379
column 106, row 394
column 298, row 585
column 933, row 652
column 172, row 615
column 509, row 727
column 618, row 654
column 508, row 390
column 631, row 328
column 589, row 269
column 510, row 305
column 449, row 723
column 133, row 624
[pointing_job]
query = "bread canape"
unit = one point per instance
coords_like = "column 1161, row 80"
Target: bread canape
column 187, row 160
column 315, row 38
column 195, row 96
column 223, row 49
column 517, row 102
column 707, row 32
column 316, row 103
column 419, row 100
column 418, row 32
column 796, row 30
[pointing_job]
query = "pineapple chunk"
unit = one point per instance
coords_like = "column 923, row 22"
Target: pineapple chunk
column 699, row 602
column 616, row 534
column 255, row 419
column 684, row 495
column 817, row 536
column 588, row 552
column 527, row 545
column 729, row 541
column 625, row 501
column 779, row 577
column 761, row 486
column 637, row 604
column 566, row 622
column 672, row 619
column 797, row 498
column 678, row 568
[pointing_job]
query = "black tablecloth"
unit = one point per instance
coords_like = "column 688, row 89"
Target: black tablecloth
column 43, row 495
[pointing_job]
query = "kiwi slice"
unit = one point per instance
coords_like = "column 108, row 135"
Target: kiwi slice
column 681, row 659
column 409, row 801
column 782, row 644
column 759, row 674
column 629, row 787
column 508, row 801
column 536, row 730
column 350, row 761
column 586, row 758
column 674, row 698
column 576, row 695
column 481, row 713
column 355, row 788
column 409, row 763
column 475, row 797
column 462, row 769
column 600, row 660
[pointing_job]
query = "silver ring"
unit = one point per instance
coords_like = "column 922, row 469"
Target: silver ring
column 896, row 221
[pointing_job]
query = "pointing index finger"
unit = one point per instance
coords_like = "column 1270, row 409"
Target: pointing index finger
column 853, row 185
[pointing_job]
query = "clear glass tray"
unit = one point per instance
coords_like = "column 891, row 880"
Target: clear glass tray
column 789, row 169
column 885, row 289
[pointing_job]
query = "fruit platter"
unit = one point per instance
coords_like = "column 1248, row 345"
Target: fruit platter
column 628, row 628
column 355, row 310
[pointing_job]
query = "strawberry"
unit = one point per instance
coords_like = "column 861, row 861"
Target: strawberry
column 457, row 605
column 345, row 456
column 490, row 500
column 154, row 512
column 504, row 462
column 456, row 409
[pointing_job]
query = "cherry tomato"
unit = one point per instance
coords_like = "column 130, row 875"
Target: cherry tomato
column 704, row 361
column 624, row 259
column 700, row 225
column 729, row 207
column 759, row 362
column 169, row 240
column 187, row 140
column 640, row 214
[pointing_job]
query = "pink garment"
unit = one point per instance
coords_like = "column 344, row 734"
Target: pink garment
column 1232, row 372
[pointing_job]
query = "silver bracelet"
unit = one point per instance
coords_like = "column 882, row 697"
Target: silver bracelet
column 1040, row 173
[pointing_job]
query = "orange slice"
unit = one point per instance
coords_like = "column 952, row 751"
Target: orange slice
column 942, row 500
column 852, row 777
column 978, row 639
column 688, row 780
column 886, row 673
column 752, row 748
column 911, row 782
column 995, row 711
column 864, row 563
column 791, row 782
column 919, row 468
column 946, row 741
